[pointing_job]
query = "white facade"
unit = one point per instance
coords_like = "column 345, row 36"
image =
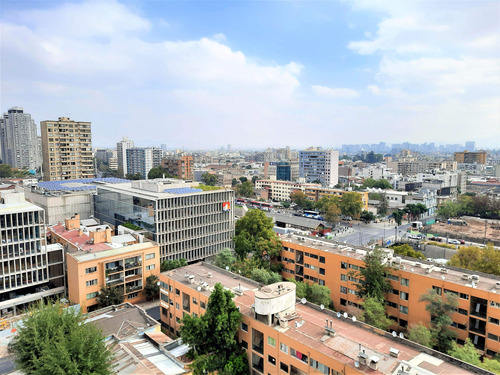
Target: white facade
column 322, row 165
column 19, row 140
column 121, row 151
column 281, row 190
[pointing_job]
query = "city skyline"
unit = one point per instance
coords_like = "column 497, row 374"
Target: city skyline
column 257, row 74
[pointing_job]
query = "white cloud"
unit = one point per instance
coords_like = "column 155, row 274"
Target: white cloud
column 334, row 92
column 373, row 89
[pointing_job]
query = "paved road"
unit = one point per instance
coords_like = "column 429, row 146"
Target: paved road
column 364, row 233
column 7, row 365
column 154, row 312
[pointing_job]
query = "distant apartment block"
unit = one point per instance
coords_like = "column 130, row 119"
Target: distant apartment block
column 281, row 190
column 121, row 152
column 184, row 220
column 29, row 269
column 67, row 150
column 478, row 157
column 180, row 167
column 96, row 259
column 142, row 160
column 319, row 165
column 315, row 193
column 19, row 140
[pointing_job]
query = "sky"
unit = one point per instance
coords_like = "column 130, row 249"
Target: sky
column 256, row 74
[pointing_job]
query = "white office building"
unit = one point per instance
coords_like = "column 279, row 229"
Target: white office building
column 184, row 220
column 121, row 151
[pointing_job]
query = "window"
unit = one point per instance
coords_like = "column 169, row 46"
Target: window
column 321, row 282
column 396, row 292
column 464, row 296
column 132, row 295
column 244, row 344
column 283, row 367
column 271, row 341
column 437, row 289
column 244, row 327
column 91, row 282
column 195, row 315
column 177, row 306
column 391, row 304
column 203, row 305
column 343, row 277
column 164, row 311
column 91, row 270
column 405, row 282
column 321, row 368
column 170, row 288
column 403, row 323
column 150, row 267
column 177, row 292
column 343, row 265
column 150, row 256
column 352, row 291
column 354, row 267
column 493, row 337
column 353, row 279
column 271, row 360
column 299, row 355
column 343, row 289
column 92, row 295
column 462, row 311
column 177, row 319
column 404, row 296
column 283, row 348
column 403, row 309
column 321, row 271
column 493, row 320
column 322, row 259
column 392, row 277
column 195, row 301
column 495, row 304
column 343, row 302
column 451, row 292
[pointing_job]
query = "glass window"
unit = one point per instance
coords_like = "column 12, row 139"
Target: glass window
column 322, row 259
column 244, row 327
column 91, row 282
column 405, row 282
column 271, row 360
column 343, row 289
column 493, row 320
column 150, row 256
column 283, row 348
column 271, row 341
column 343, row 277
column 244, row 344
column 92, row 295
column 404, row 296
column 343, row 265
column 91, row 270
column 150, row 267
column 403, row 309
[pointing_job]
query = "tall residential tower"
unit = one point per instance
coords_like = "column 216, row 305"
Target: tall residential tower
column 121, row 151
column 320, row 165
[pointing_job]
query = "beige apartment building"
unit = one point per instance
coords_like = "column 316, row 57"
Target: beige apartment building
column 66, row 150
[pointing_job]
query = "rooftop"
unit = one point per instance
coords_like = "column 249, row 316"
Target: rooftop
column 76, row 185
column 421, row 267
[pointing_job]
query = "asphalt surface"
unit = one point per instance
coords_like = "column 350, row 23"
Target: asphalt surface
column 154, row 312
column 7, row 365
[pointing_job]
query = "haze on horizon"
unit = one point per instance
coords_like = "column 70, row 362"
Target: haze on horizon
column 204, row 74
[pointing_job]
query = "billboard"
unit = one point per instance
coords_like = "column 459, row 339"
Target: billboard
column 226, row 206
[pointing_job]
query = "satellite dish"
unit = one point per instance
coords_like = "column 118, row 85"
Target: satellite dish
column 322, row 307
column 198, row 289
column 227, row 268
column 356, row 364
column 303, row 301
column 345, row 315
column 354, row 319
column 338, row 315
column 401, row 336
column 394, row 334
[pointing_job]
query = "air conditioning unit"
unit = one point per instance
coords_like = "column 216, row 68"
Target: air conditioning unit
column 443, row 270
column 418, row 264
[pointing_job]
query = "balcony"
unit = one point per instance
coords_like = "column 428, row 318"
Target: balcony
column 134, row 288
column 133, row 277
column 114, row 282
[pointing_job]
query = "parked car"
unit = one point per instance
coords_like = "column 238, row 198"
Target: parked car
column 413, row 236
column 462, row 242
column 453, row 241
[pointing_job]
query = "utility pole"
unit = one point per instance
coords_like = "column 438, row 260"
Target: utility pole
column 395, row 234
column 485, row 225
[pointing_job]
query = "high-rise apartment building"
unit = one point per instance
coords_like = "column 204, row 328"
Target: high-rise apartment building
column 141, row 160
column 478, row 157
column 121, row 151
column 180, row 167
column 184, row 220
column 470, row 146
column 67, row 149
column 29, row 270
column 319, row 165
column 19, row 140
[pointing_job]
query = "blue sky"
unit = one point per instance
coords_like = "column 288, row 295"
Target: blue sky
column 254, row 74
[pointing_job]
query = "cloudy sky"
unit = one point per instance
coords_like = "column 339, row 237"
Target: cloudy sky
column 203, row 74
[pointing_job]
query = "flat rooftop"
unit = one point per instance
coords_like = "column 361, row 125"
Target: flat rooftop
column 486, row 282
column 83, row 184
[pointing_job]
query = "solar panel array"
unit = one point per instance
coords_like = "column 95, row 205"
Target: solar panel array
column 183, row 190
column 86, row 184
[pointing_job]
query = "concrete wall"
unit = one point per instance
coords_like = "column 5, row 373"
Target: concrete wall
column 62, row 207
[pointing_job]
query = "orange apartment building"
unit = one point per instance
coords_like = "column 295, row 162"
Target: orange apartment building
column 284, row 336
column 181, row 167
column 335, row 266
column 316, row 193
column 95, row 259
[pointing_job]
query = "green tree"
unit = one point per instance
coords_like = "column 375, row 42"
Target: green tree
column 332, row 215
column 159, row 172
column 373, row 282
column 225, row 258
column 374, row 313
column 420, row 334
column 213, row 337
column 398, row 216
column 440, row 309
column 209, row 179
column 382, row 184
column 285, row 204
column 234, row 182
column 474, row 258
column 368, row 183
column 367, row 216
column 254, row 178
column 407, row 250
column 136, row 176
column 383, row 205
column 326, row 201
column 300, row 199
column 243, row 179
column 314, row 293
column 168, row 265
column 252, row 232
column 56, row 340
column 448, row 210
column 245, row 189
column 108, row 296
column 152, row 289
column 351, row 204
column 5, row 170
column 467, row 352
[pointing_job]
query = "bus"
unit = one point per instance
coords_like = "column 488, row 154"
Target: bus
column 260, row 205
column 312, row 215
column 240, row 201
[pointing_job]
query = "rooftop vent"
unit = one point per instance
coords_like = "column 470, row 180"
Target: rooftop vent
column 465, row 277
column 443, row 270
column 394, row 352
column 497, row 285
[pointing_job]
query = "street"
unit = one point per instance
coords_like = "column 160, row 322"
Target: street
column 366, row 233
